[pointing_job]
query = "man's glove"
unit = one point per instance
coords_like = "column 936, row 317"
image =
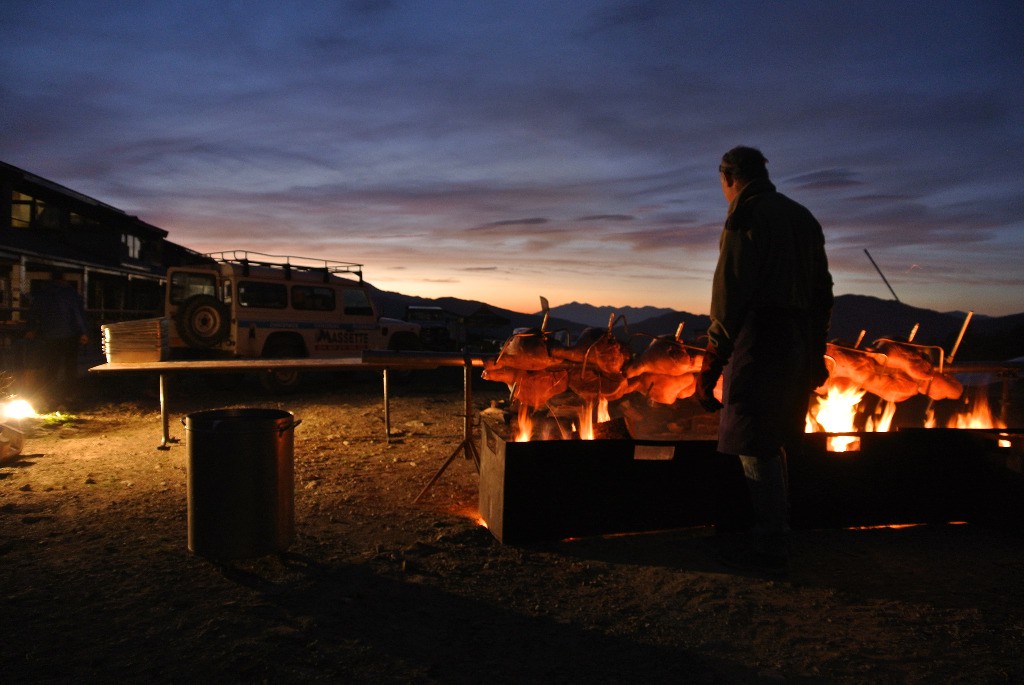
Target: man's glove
column 710, row 371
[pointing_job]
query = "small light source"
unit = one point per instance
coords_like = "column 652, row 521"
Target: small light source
column 17, row 409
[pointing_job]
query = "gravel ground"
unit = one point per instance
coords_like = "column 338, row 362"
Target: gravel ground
column 97, row 583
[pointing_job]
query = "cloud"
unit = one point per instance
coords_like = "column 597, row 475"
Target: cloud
column 827, row 179
column 541, row 143
column 608, row 217
column 533, row 221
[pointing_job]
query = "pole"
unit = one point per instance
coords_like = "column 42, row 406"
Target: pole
column 956, row 345
column 164, row 420
column 387, row 408
column 882, row 275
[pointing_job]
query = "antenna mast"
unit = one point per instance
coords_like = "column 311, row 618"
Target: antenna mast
column 882, row 275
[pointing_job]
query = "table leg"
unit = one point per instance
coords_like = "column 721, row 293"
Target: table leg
column 467, row 447
column 387, row 409
column 163, row 414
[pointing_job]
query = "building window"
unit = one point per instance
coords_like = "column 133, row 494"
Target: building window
column 22, row 208
column 31, row 212
column 132, row 245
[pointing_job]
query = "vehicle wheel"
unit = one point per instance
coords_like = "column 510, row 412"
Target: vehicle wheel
column 203, row 321
column 282, row 380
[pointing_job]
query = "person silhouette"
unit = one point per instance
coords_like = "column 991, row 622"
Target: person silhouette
column 57, row 328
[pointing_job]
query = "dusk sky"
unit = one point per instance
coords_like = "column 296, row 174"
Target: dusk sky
column 503, row 151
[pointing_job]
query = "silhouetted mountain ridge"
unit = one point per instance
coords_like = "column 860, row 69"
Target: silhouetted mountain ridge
column 598, row 317
column 986, row 338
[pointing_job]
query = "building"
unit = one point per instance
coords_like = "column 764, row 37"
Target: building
column 117, row 261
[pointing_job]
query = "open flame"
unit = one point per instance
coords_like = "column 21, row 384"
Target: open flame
column 524, row 425
column 591, row 415
column 976, row 414
column 588, row 416
column 837, row 411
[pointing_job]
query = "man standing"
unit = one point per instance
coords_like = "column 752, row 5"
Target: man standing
column 57, row 326
column 771, row 303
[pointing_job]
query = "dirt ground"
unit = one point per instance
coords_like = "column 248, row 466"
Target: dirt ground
column 97, row 583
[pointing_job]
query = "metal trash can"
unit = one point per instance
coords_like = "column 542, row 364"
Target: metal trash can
column 241, row 482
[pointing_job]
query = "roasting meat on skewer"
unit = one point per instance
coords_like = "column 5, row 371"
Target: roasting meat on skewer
column 578, row 350
column 942, row 386
column 860, row 366
column 531, row 388
column 664, row 371
column 535, row 388
column 598, row 348
column 665, row 355
column 527, row 351
column 592, row 385
column 664, row 388
column 898, row 374
column 906, row 357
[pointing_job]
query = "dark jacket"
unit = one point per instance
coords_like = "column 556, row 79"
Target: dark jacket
column 770, row 308
column 771, row 255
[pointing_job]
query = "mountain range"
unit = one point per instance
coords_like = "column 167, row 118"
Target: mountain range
column 985, row 338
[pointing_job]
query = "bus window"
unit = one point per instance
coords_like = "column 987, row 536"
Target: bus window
column 313, row 298
column 357, row 302
column 185, row 284
column 262, row 295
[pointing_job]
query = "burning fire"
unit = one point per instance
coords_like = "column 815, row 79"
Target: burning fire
column 837, row 413
column 524, row 422
column 588, row 416
column 977, row 416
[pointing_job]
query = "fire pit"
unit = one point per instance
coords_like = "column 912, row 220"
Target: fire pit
column 908, row 476
column 556, row 471
column 555, row 489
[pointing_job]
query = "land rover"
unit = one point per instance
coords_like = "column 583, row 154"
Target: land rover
column 242, row 304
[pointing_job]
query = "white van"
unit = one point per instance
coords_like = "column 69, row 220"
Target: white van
column 244, row 304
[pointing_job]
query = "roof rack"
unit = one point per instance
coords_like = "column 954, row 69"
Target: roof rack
column 288, row 263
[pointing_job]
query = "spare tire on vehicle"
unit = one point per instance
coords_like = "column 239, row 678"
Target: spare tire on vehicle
column 203, row 321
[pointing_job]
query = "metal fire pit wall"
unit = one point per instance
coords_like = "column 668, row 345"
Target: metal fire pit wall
column 915, row 475
column 551, row 490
